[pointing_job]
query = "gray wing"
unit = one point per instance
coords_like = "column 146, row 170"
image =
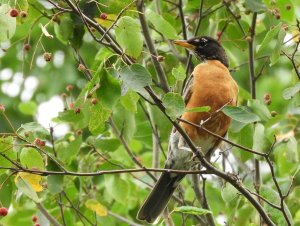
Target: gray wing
column 187, row 91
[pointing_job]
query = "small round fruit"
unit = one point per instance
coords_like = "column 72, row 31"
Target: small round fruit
column 14, row 13
column 94, row 101
column 34, row 218
column 103, row 16
column 81, row 67
column 77, row 110
column 2, row 108
column 3, row 211
column 27, row 47
column 69, row 88
column 23, row 14
column 47, row 56
column 267, row 98
column 288, row 6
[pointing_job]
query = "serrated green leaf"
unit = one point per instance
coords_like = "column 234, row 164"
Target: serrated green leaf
column 256, row 6
column 160, row 24
column 198, row 109
column 117, row 188
column 28, row 108
column 240, row 114
column 268, row 38
column 7, row 23
column 99, row 114
column 135, row 77
column 31, row 158
column 109, row 91
column 6, row 190
column 192, row 210
column 260, row 141
column 36, row 129
column 54, row 182
column 68, row 150
column 259, row 109
column 179, row 73
column 292, row 150
column 174, row 104
column 277, row 50
column 288, row 93
column 7, row 149
column 129, row 36
column 129, row 101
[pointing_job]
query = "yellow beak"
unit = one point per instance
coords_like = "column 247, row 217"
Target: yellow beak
column 184, row 44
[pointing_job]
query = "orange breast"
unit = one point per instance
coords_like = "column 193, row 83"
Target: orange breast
column 212, row 86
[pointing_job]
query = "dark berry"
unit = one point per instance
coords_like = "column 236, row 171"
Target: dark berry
column 160, row 58
column 14, row 13
column 27, row 47
column 94, row 101
column 47, row 56
column 77, row 110
column 103, row 16
column 3, row 211
column 69, row 88
column 34, row 218
column 23, row 14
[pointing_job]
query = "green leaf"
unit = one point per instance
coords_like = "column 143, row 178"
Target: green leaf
column 129, row 36
column 277, row 50
column 117, row 188
column 276, row 215
column 28, row 108
column 27, row 189
column 174, row 104
column 68, row 150
column 259, row 109
column 31, row 158
column 268, row 38
column 179, row 73
column 7, row 23
column 192, row 210
column 7, row 149
column 54, row 182
column 99, row 114
column 35, row 129
column 161, row 25
column 260, row 141
column 70, row 116
column 292, row 150
column 109, row 144
column 288, row 93
column 96, row 207
column 198, row 109
column 64, row 29
column 135, row 77
column 6, row 190
column 286, row 14
column 229, row 193
column 256, row 6
column 129, row 101
column 240, row 114
column 110, row 89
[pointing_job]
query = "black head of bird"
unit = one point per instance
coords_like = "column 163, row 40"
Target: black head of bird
column 205, row 48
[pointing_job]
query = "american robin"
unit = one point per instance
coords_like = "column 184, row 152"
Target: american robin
column 211, row 85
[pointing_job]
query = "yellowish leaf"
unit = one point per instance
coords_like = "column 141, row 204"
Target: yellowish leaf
column 32, row 179
column 97, row 207
column 107, row 22
column 296, row 34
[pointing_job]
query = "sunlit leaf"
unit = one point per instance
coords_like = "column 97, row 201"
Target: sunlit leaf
column 129, row 101
column 198, row 109
column 28, row 108
column 129, row 36
column 160, row 24
column 97, row 207
column 31, row 158
column 288, row 93
column 255, row 6
column 106, row 22
column 260, row 141
column 7, row 23
column 99, row 114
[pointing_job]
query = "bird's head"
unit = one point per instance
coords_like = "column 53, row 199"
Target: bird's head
column 205, row 48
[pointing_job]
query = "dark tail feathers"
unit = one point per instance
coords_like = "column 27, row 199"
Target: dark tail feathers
column 159, row 197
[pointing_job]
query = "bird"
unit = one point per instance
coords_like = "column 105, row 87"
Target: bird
column 210, row 85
